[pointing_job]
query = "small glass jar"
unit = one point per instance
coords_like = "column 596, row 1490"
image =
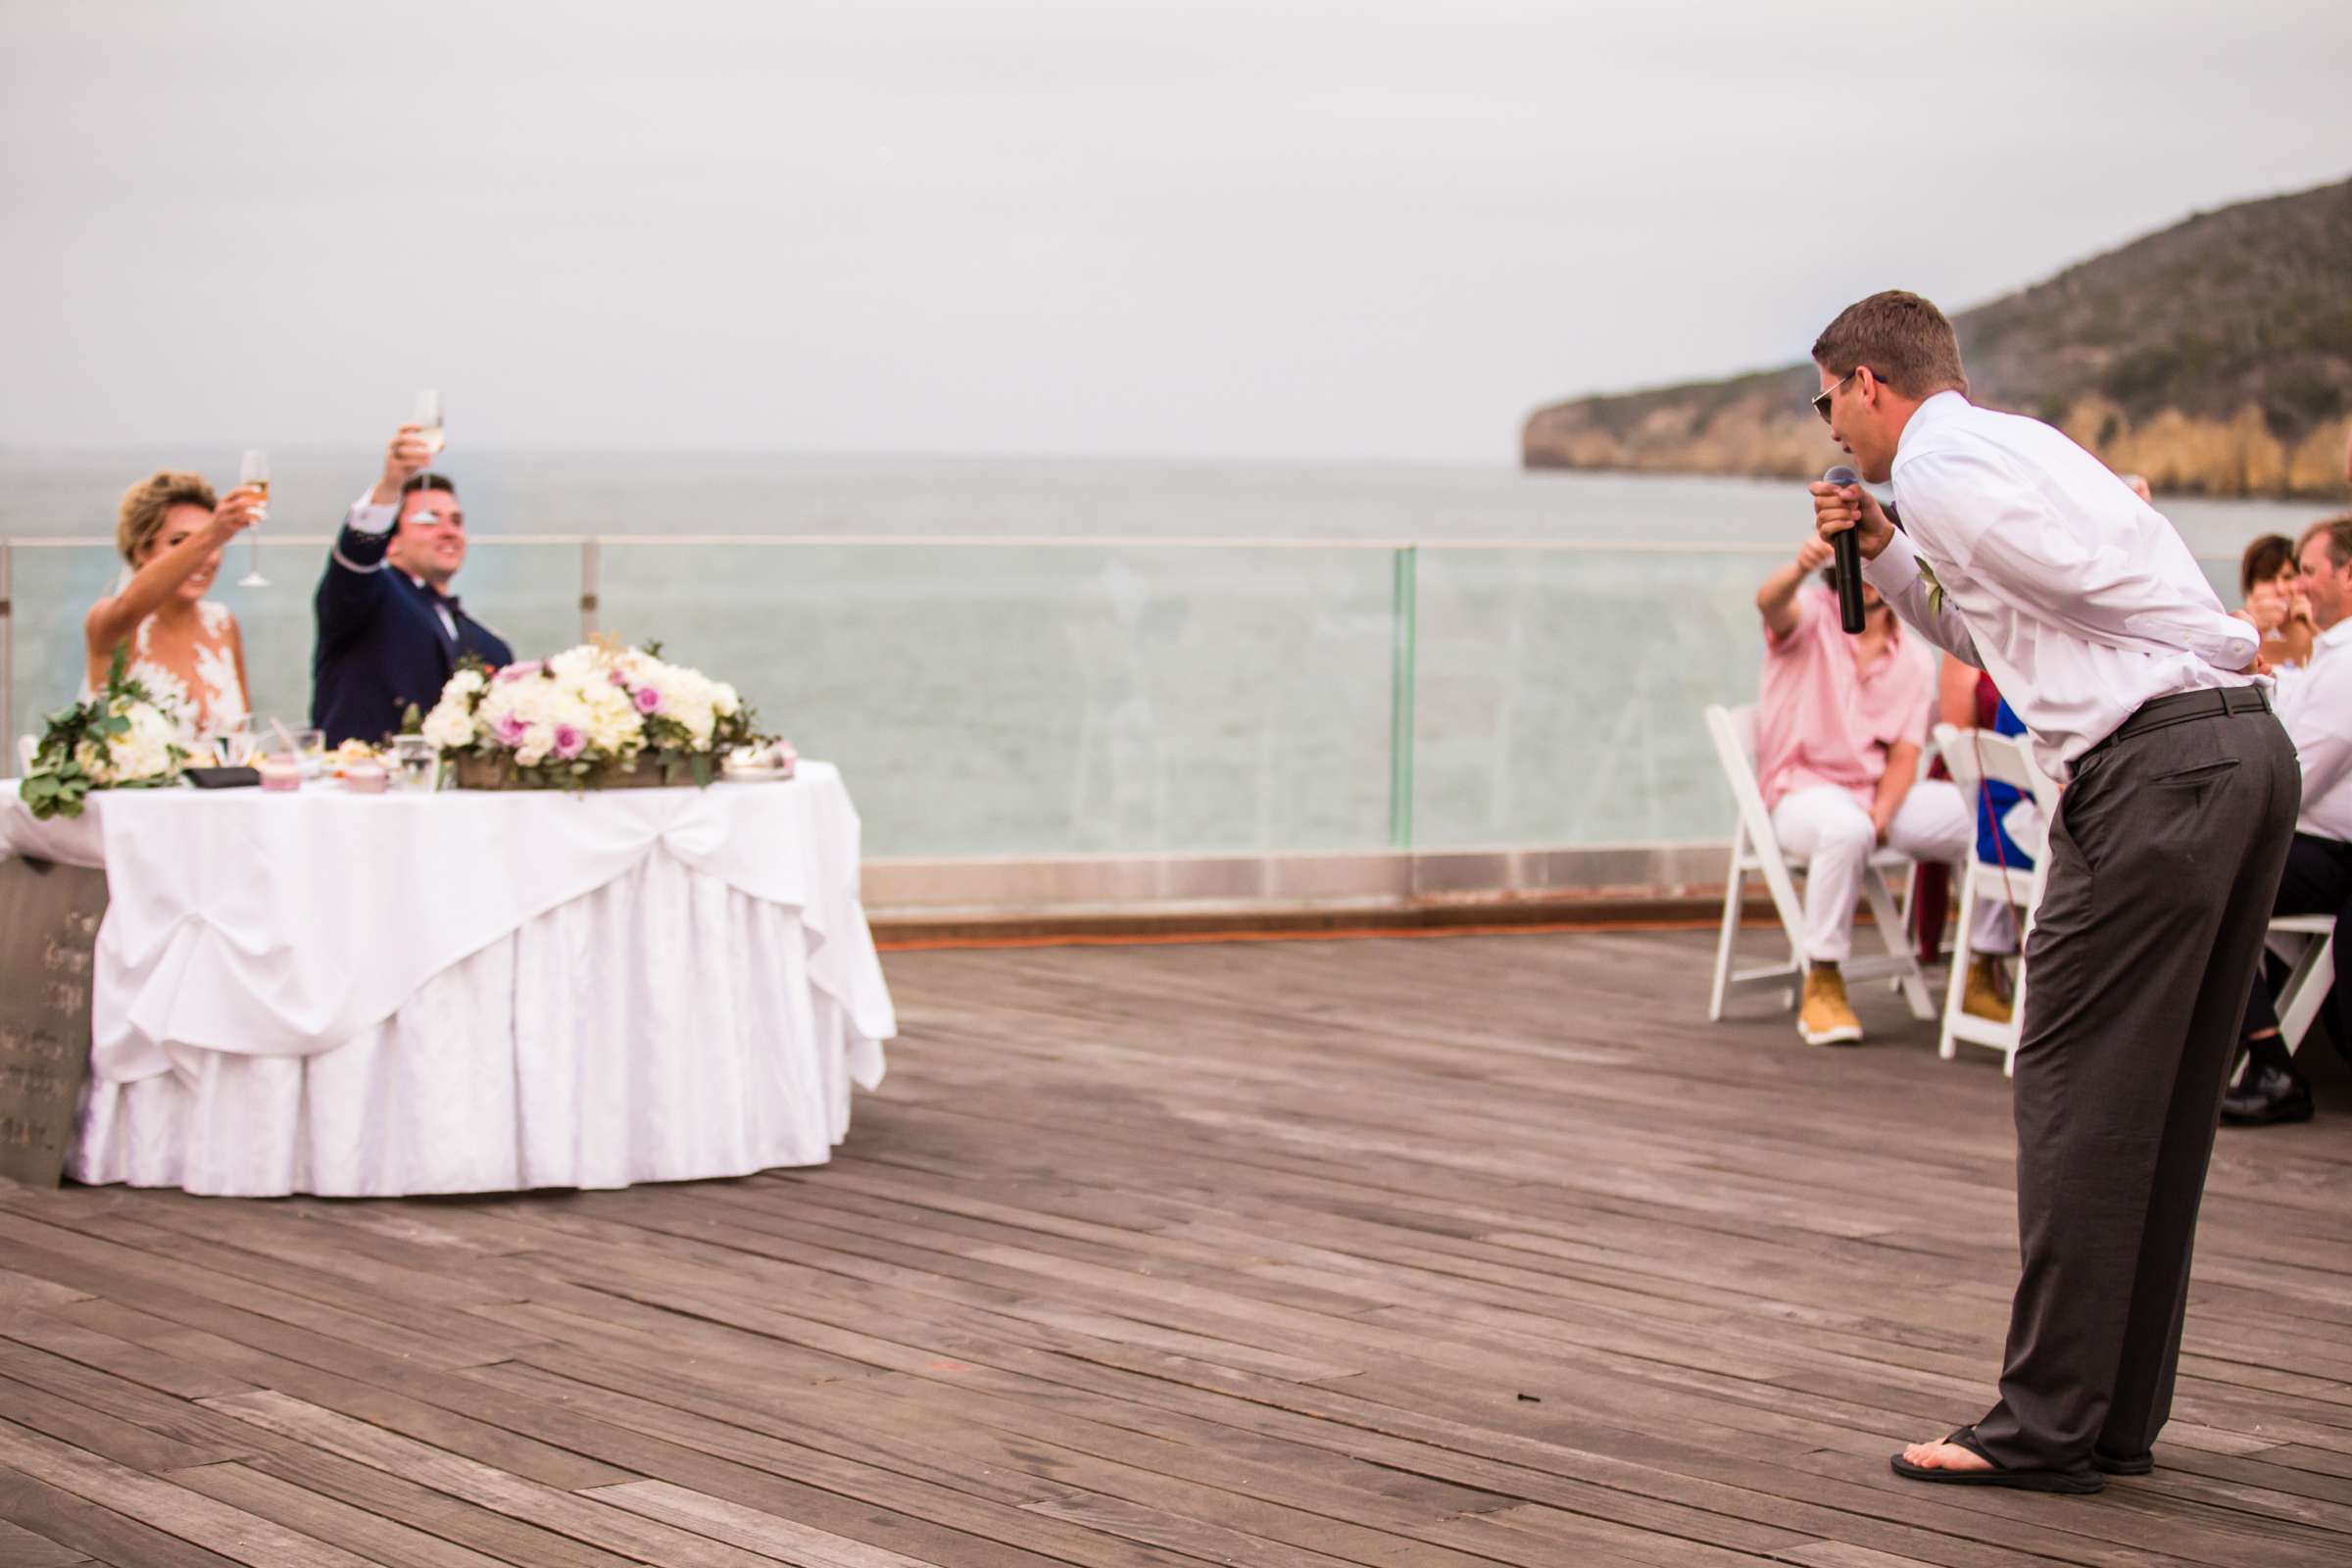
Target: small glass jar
column 415, row 764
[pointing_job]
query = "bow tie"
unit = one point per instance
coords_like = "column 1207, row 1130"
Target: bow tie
column 448, row 602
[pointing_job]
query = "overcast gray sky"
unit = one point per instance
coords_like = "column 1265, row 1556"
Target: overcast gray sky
column 1362, row 231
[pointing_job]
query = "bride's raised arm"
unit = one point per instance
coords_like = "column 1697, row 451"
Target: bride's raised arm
column 164, row 552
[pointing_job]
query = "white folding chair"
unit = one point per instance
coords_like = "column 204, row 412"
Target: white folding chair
column 1975, row 756
column 1755, row 851
column 2308, row 942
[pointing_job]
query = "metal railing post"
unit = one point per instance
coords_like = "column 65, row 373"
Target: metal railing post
column 1404, row 635
column 591, row 574
column 8, row 648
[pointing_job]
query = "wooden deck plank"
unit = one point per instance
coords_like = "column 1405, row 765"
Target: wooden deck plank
column 162, row 1507
column 21, row 1548
column 382, row 1541
column 1399, row 1255
column 102, row 1534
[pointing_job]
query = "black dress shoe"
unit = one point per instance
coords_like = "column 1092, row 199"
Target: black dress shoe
column 2266, row 1095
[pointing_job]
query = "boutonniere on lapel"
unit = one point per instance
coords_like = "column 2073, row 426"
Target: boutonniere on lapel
column 1934, row 589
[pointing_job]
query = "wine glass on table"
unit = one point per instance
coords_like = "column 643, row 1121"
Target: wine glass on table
column 253, row 473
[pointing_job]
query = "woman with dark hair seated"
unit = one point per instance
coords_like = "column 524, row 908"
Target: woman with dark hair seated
column 2267, row 586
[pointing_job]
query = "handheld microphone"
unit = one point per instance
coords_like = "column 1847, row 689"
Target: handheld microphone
column 1849, row 546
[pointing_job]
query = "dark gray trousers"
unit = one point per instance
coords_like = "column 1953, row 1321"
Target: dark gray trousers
column 2163, row 864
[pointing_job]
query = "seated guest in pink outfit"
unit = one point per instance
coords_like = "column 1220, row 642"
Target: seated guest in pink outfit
column 1839, row 726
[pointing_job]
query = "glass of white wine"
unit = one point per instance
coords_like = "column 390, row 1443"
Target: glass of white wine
column 428, row 424
column 253, row 473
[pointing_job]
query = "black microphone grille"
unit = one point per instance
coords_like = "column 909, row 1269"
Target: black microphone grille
column 1841, row 474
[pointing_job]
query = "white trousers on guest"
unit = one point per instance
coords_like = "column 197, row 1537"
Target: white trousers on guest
column 1829, row 829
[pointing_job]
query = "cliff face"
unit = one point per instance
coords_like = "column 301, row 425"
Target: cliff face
column 2214, row 356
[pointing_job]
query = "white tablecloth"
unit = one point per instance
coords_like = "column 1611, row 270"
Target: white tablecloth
column 352, row 995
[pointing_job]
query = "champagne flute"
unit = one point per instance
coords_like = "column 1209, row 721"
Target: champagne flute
column 428, row 426
column 253, row 473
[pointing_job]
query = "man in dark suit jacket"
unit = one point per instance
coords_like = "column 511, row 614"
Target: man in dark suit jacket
column 389, row 630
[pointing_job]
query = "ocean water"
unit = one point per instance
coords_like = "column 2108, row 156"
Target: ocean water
column 1207, row 659
column 535, row 493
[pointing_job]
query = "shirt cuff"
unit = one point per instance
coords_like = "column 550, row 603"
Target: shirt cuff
column 1896, row 570
column 367, row 517
column 2242, row 647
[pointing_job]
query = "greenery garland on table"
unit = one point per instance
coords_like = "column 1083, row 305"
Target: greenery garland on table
column 122, row 738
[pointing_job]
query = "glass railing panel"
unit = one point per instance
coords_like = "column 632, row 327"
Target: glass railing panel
column 1561, row 693
column 1050, row 701
column 1124, row 699
column 50, row 591
column 529, row 593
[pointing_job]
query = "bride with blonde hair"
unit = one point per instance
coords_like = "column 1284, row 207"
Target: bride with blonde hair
column 185, row 649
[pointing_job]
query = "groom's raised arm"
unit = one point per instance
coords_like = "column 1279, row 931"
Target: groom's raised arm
column 352, row 587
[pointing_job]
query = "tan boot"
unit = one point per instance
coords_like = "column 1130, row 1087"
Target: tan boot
column 1826, row 1018
column 1983, row 996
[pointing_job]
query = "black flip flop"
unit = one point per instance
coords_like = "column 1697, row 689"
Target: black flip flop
column 2000, row 1475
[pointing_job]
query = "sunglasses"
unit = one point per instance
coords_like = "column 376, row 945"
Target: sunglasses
column 1821, row 404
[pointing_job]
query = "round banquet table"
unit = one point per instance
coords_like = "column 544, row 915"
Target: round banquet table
column 365, row 996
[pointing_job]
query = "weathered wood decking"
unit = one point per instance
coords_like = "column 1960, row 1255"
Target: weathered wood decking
column 1445, row 1253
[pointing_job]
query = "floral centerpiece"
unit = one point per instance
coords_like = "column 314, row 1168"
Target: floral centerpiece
column 122, row 738
column 596, row 716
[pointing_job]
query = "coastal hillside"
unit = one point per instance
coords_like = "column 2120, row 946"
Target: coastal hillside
column 2215, row 357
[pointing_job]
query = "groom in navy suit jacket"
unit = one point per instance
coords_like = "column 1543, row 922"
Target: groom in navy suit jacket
column 389, row 630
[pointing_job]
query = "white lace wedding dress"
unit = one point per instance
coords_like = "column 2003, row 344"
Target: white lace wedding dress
column 206, row 694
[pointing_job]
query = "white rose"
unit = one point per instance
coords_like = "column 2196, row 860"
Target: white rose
column 137, row 755
column 143, row 751
column 449, row 726
column 615, row 732
column 578, row 664
column 724, row 697
column 464, row 683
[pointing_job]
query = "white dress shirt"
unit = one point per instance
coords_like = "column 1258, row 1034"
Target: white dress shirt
column 2028, row 558
column 2317, row 711
column 366, row 516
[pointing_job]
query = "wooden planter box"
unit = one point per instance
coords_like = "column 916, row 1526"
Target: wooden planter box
column 649, row 771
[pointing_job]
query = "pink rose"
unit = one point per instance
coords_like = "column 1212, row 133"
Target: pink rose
column 522, row 671
column 570, row 741
column 649, row 700
column 511, row 729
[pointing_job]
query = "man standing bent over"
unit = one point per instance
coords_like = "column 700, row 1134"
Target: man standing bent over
column 2026, row 557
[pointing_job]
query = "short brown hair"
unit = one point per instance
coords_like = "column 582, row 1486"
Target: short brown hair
column 419, row 484
column 1903, row 338
column 2339, row 530
column 2266, row 557
column 145, row 504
